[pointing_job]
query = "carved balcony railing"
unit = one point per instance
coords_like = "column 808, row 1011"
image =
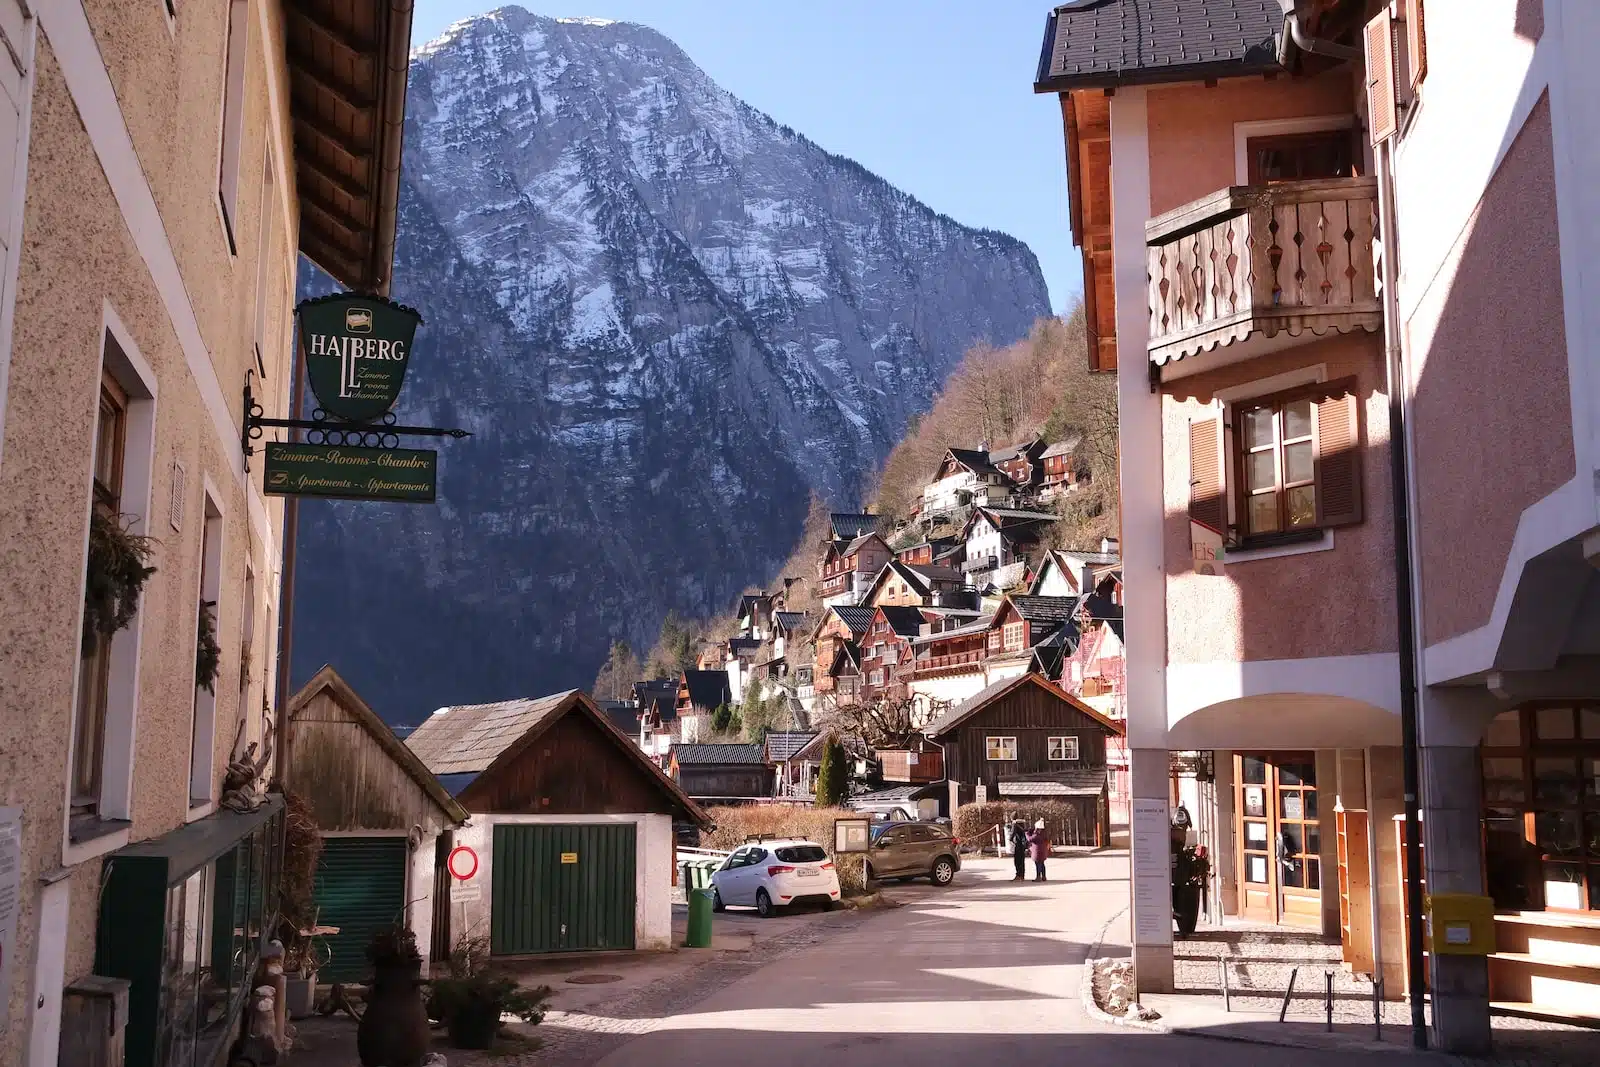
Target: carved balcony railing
column 1263, row 259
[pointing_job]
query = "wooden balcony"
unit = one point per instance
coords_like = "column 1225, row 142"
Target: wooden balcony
column 929, row 664
column 1294, row 257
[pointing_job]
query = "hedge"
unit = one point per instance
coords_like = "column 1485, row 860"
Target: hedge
column 974, row 823
column 735, row 824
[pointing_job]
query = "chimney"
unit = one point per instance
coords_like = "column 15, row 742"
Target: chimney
column 1108, row 544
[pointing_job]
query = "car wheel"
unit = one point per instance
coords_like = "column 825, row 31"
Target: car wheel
column 944, row 871
column 716, row 901
column 764, row 905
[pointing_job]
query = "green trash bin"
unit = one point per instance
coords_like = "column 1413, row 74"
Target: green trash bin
column 699, row 933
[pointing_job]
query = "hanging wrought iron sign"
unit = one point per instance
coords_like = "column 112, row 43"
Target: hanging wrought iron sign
column 356, row 350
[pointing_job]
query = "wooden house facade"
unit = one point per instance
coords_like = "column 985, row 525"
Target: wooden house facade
column 384, row 818
column 1025, row 737
column 837, row 644
column 723, row 772
column 570, row 847
column 886, row 651
column 847, row 568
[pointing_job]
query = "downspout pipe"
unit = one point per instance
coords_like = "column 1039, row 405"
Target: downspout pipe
column 1405, row 603
column 1305, row 42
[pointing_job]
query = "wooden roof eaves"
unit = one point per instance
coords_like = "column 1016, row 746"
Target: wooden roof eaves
column 944, row 728
column 630, row 751
column 385, row 114
column 328, row 679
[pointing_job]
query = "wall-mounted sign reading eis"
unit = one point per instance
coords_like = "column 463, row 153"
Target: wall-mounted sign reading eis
column 356, row 350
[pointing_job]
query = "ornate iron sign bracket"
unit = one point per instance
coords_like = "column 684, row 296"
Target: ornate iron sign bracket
column 321, row 429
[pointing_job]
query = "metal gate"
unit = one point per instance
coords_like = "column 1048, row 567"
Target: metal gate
column 361, row 888
column 562, row 888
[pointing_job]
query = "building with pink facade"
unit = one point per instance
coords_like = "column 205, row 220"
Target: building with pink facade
column 1338, row 254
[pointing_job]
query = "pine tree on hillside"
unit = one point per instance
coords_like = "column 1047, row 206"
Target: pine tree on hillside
column 833, row 777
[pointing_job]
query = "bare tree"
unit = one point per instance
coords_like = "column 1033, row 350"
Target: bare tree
column 882, row 723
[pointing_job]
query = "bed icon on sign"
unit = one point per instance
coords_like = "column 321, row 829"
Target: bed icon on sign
column 358, row 320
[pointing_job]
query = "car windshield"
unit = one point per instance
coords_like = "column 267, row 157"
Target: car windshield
column 801, row 854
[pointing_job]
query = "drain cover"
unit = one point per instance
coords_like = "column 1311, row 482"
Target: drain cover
column 594, row 979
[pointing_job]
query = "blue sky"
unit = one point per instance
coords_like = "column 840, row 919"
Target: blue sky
column 935, row 95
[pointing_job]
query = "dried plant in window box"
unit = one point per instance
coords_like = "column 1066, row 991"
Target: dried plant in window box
column 115, row 576
column 207, row 653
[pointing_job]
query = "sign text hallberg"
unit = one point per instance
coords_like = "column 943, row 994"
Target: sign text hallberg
column 357, row 349
column 397, row 474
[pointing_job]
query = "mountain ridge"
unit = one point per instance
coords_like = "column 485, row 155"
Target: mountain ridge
column 665, row 319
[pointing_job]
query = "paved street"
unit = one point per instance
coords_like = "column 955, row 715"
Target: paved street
column 988, row 970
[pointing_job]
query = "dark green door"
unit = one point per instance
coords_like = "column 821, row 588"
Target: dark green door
column 561, row 888
column 361, row 888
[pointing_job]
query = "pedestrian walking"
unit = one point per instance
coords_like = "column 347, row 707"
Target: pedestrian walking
column 1039, row 847
column 1019, row 849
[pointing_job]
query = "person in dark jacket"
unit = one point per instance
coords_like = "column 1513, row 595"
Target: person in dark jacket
column 1019, row 849
column 1039, row 847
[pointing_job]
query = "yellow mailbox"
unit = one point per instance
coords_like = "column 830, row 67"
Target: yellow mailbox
column 1460, row 924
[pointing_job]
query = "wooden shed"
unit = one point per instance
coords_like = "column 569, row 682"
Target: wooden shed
column 384, row 819
column 571, row 834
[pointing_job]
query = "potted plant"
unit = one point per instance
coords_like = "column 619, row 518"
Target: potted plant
column 116, row 575
column 305, row 952
column 473, row 997
column 1191, row 865
column 471, row 1008
column 394, row 1029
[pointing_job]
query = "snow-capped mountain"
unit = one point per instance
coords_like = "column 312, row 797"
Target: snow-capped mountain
column 665, row 317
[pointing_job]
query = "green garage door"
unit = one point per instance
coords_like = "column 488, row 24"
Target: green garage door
column 561, row 889
column 361, row 888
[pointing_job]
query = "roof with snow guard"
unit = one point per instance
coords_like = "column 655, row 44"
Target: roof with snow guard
column 1104, row 43
column 856, row 616
column 982, row 699
column 849, row 526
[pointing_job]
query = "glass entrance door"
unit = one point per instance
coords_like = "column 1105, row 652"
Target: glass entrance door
column 1280, row 842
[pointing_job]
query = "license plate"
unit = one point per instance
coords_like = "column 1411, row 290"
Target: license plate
column 807, row 872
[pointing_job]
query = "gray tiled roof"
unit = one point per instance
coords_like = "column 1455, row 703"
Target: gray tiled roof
column 856, row 616
column 468, row 738
column 750, row 754
column 1061, row 448
column 1071, row 781
column 1046, row 608
column 783, row 744
column 1097, row 43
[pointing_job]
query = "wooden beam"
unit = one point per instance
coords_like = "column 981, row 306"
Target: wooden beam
column 357, row 49
column 301, row 65
column 338, row 181
column 349, row 223
column 331, row 260
column 360, row 155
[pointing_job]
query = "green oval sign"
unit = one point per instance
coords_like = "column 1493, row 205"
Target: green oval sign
column 356, row 350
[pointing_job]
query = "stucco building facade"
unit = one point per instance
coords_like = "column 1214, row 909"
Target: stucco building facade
column 1313, row 221
column 159, row 163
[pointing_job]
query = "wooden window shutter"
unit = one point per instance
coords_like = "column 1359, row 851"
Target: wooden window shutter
column 1206, row 505
column 1338, row 455
column 1382, row 119
column 1416, row 42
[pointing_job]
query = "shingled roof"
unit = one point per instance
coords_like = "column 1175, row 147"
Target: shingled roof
column 984, row 697
column 708, row 689
column 1103, row 43
column 783, row 744
column 721, row 755
column 848, row 526
column 856, row 616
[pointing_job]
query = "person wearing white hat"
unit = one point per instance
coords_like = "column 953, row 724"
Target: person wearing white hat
column 1039, row 848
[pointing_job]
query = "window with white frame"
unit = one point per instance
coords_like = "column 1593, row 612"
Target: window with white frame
column 1063, row 748
column 875, row 678
column 107, row 685
column 1013, row 636
column 203, row 738
column 994, row 640
column 1000, row 748
column 236, row 56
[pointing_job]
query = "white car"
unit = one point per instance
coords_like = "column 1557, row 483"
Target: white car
column 768, row 875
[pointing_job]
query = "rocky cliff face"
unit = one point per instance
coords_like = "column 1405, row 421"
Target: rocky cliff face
column 665, row 318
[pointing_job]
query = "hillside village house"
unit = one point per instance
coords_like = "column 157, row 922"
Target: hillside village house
column 906, row 585
column 163, row 165
column 699, row 694
column 723, row 772
column 849, row 567
column 1277, row 244
column 1062, row 471
column 999, row 537
column 1021, row 464
column 965, row 477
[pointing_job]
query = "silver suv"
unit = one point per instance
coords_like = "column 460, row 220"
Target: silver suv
column 907, row 850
